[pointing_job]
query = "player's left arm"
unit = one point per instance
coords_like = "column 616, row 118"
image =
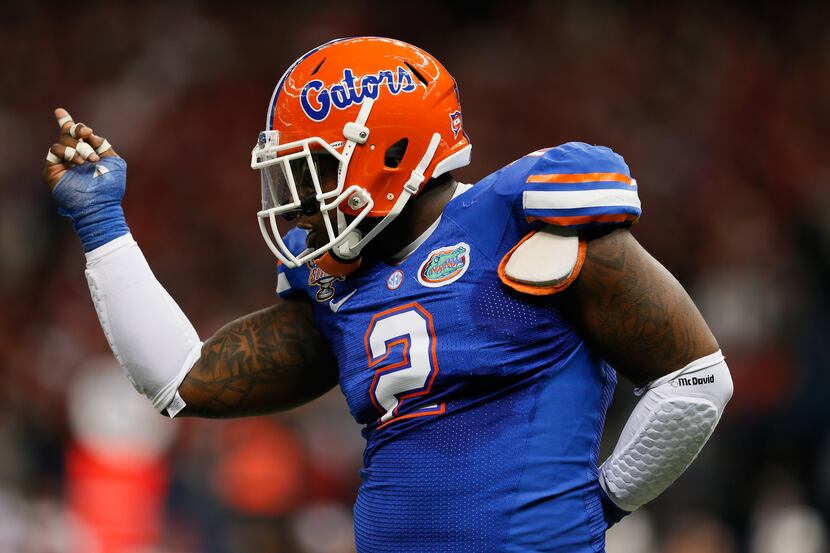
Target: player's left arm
column 633, row 312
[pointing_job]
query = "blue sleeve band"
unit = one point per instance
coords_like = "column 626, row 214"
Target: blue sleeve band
column 90, row 195
column 613, row 514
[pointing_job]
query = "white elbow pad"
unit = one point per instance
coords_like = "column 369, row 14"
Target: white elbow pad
column 666, row 431
column 149, row 335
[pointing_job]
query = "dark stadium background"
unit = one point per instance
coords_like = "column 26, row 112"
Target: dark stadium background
column 723, row 114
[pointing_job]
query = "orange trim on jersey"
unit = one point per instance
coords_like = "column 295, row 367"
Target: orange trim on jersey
column 541, row 290
column 440, row 410
column 585, row 219
column 570, row 178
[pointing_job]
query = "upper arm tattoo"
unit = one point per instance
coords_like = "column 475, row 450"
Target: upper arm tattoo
column 633, row 312
column 270, row 360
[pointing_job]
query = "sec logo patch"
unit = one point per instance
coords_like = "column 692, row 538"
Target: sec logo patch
column 395, row 280
column 444, row 266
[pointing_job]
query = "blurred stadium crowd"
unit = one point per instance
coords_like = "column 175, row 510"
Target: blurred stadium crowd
column 722, row 113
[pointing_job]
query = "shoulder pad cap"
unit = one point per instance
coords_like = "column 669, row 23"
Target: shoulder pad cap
column 577, row 184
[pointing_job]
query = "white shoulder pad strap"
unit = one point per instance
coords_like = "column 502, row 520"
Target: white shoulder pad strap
column 666, row 431
column 544, row 262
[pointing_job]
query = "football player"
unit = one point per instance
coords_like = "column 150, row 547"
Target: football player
column 475, row 330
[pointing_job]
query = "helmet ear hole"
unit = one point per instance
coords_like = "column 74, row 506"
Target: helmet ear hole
column 394, row 153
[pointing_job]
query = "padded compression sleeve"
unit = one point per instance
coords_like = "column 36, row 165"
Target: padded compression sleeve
column 151, row 338
column 666, row 431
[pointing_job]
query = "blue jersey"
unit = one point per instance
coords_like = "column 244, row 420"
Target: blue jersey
column 482, row 407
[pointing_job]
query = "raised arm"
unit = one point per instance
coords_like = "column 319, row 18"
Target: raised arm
column 270, row 360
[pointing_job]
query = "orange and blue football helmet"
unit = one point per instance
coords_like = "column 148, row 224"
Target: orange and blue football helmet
column 354, row 129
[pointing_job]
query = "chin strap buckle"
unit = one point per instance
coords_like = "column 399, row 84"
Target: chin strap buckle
column 345, row 250
column 413, row 185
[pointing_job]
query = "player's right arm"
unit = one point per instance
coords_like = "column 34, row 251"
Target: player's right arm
column 271, row 360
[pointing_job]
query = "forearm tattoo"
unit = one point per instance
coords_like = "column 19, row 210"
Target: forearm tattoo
column 633, row 312
column 270, row 360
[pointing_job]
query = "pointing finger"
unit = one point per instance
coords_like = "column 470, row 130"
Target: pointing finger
column 63, row 117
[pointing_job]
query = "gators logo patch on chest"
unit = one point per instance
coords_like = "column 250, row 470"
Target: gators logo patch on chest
column 444, row 266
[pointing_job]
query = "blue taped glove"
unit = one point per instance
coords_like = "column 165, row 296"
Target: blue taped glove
column 613, row 514
column 90, row 195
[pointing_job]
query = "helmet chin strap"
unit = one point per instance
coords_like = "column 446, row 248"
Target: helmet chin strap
column 356, row 132
column 349, row 249
column 333, row 266
column 345, row 258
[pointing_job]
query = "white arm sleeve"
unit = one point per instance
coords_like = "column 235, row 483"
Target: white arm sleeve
column 666, row 431
column 151, row 338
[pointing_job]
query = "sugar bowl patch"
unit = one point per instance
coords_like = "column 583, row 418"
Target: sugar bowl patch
column 444, row 265
column 324, row 282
